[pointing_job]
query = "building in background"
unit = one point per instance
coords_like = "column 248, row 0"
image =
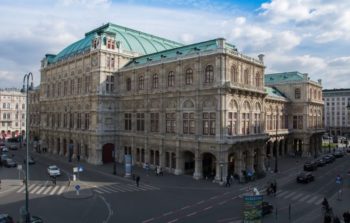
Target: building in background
column 201, row 109
column 336, row 111
column 12, row 112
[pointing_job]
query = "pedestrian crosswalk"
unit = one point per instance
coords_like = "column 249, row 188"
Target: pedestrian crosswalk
column 122, row 188
column 40, row 189
column 300, row 196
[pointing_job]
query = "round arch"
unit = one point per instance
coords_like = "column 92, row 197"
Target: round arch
column 107, row 153
column 208, row 165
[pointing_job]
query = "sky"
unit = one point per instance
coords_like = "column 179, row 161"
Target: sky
column 309, row 36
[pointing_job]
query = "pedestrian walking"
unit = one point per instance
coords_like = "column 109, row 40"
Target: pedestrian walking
column 137, row 181
column 228, row 179
column 274, row 188
column 346, row 217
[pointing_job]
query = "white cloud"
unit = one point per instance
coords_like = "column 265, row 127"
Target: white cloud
column 293, row 34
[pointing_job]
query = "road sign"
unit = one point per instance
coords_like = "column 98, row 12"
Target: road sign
column 75, row 169
column 19, row 167
column 338, row 180
column 77, row 187
column 80, row 168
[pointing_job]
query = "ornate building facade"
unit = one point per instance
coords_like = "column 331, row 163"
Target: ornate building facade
column 337, row 111
column 201, row 109
column 12, row 113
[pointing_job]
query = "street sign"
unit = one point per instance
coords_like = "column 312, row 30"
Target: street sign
column 338, row 180
column 75, row 169
column 80, row 169
column 19, row 167
column 77, row 187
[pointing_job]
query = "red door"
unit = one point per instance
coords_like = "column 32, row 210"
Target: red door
column 107, row 153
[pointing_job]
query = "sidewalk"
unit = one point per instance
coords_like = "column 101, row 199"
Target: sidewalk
column 286, row 166
column 341, row 205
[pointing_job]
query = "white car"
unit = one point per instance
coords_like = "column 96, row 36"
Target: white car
column 53, row 171
column 5, row 149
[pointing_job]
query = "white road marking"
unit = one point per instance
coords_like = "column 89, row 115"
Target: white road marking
column 296, row 197
column 183, row 208
column 222, row 202
column 319, row 201
column 100, row 192
column 102, row 189
column 191, row 214
column 172, row 221
column 200, row 202
column 283, row 193
column 47, row 190
column 168, row 213
column 61, row 190
column 289, row 195
column 34, row 189
column 212, row 198
column 41, row 190
column 148, row 220
column 312, row 199
column 54, row 190
column 304, row 198
column 20, row 190
column 207, row 208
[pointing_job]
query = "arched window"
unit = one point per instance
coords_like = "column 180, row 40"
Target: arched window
column 189, row 76
column 128, row 84
column 246, row 76
column 209, row 74
column 245, row 122
column 315, row 93
column 310, row 93
column 141, row 83
column 233, row 119
column 155, row 81
column 171, row 79
column 234, row 74
column 257, row 118
column 257, row 79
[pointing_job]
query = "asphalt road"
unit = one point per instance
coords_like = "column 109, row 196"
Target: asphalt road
column 163, row 199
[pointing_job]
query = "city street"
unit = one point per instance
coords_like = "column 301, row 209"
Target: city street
column 108, row 198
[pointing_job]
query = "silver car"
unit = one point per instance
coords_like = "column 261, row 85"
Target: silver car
column 53, row 171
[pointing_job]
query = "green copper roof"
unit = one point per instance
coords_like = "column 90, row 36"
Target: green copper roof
column 129, row 39
column 179, row 51
column 283, row 77
column 273, row 92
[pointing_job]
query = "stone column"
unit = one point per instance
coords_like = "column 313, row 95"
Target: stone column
column 306, row 147
column 250, row 160
column 179, row 161
column 238, row 162
column 261, row 159
column 197, row 166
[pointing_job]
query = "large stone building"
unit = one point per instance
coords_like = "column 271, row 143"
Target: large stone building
column 201, row 109
column 337, row 111
column 12, row 112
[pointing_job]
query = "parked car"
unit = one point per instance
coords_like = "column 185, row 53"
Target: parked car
column 5, row 218
column 53, row 171
column 329, row 158
column 30, row 160
column 310, row 166
column 4, row 149
column 320, row 162
column 338, row 154
column 10, row 163
column 305, row 177
column 3, row 158
column 13, row 147
column 267, row 208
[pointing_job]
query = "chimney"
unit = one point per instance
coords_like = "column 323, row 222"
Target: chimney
column 261, row 58
column 305, row 76
column 319, row 81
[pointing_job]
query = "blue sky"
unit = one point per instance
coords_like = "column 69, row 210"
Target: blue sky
column 311, row 36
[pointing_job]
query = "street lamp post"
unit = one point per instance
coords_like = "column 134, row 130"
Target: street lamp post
column 276, row 154
column 26, row 88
